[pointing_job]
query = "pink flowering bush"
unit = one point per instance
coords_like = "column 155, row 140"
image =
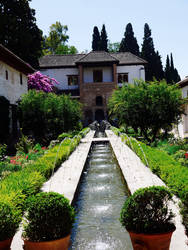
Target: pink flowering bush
column 42, row 82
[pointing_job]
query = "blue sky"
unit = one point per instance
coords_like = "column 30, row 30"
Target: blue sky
column 166, row 18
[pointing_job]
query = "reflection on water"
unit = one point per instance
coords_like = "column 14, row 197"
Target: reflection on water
column 100, row 198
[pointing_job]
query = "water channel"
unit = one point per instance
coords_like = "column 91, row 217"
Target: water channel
column 101, row 194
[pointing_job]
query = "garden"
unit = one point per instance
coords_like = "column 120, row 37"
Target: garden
column 51, row 129
column 147, row 113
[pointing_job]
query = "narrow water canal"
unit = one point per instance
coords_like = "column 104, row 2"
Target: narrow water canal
column 101, row 195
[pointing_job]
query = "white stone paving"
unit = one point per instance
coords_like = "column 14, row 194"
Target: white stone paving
column 137, row 175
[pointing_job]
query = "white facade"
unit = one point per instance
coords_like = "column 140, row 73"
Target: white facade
column 12, row 88
column 183, row 125
column 133, row 71
column 61, row 74
column 88, row 74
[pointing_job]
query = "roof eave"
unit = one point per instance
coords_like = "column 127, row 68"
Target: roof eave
column 14, row 61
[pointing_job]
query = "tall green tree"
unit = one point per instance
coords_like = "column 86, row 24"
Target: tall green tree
column 104, row 40
column 129, row 42
column 113, row 47
column 145, row 106
column 148, row 53
column 18, row 30
column 56, row 41
column 96, row 42
column 171, row 73
column 158, row 70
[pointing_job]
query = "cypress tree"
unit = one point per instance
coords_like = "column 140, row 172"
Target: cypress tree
column 96, row 39
column 148, row 53
column 18, row 30
column 158, row 73
column 171, row 73
column 129, row 42
column 168, row 75
column 104, row 40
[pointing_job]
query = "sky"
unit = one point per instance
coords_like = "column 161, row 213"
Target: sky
column 167, row 19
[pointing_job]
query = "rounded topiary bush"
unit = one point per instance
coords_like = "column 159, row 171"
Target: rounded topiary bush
column 10, row 219
column 49, row 216
column 146, row 211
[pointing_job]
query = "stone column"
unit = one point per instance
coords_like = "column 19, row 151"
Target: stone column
column 115, row 73
column 80, row 69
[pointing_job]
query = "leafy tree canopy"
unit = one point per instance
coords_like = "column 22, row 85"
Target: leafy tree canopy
column 55, row 42
column 148, row 107
column 46, row 115
column 18, row 30
column 113, row 47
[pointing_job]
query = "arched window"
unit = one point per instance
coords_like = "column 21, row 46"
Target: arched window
column 99, row 101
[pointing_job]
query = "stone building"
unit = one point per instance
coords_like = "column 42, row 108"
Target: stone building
column 13, row 83
column 92, row 77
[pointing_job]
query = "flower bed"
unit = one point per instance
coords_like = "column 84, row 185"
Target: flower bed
column 17, row 186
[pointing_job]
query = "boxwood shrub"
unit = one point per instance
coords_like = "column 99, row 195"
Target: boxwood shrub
column 146, row 211
column 49, row 216
column 10, row 218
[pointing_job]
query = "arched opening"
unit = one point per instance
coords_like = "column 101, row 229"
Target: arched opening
column 99, row 101
column 99, row 115
column 88, row 116
column 4, row 114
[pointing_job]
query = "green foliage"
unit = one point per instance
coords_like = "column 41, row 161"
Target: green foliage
column 18, row 186
column 7, row 168
column 10, row 218
column 154, row 66
column 96, row 39
column 46, row 115
column 18, row 30
column 49, row 216
column 146, row 211
column 166, row 167
column 55, row 42
column 24, row 145
column 171, row 73
column 129, row 42
column 153, row 100
column 113, row 47
column 3, row 149
column 104, row 40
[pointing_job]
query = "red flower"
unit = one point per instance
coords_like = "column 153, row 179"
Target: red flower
column 186, row 155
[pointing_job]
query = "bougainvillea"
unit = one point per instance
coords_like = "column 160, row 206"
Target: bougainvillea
column 42, row 82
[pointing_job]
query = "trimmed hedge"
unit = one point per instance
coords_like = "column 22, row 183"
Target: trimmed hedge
column 170, row 171
column 18, row 186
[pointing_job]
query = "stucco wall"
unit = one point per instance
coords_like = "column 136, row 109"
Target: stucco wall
column 88, row 74
column 183, row 125
column 61, row 76
column 11, row 89
column 134, row 71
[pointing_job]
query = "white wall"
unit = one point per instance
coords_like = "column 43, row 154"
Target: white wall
column 134, row 71
column 11, row 89
column 88, row 74
column 183, row 125
column 61, row 76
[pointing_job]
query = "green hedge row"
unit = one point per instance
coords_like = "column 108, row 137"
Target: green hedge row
column 170, row 171
column 16, row 187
